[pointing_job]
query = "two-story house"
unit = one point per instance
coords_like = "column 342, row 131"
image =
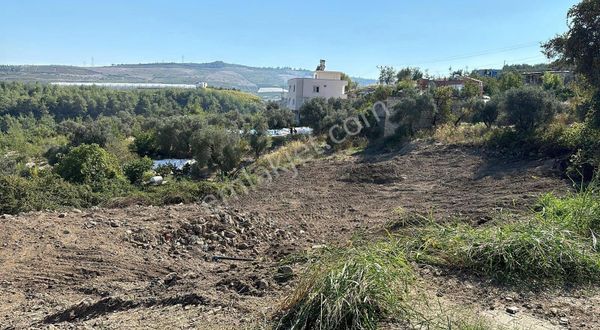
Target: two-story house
column 325, row 84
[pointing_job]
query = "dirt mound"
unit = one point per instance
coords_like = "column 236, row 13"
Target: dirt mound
column 377, row 173
column 222, row 232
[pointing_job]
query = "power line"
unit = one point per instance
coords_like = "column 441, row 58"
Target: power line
column 482, row 53
column 511, row 60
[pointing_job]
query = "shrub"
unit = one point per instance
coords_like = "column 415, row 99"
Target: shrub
column 312, row 113
column 488, row 113
column 45, row 191
column 90, row 165
column 259, row 142
column 135, row 169
column 472, row 134
column 286, row 156
column 14, row 194
column 277, row 117
column 586, row 161
column 415, row 112
column 529, row 108
column 55, row 153
column 183, row 191
column 352, row 289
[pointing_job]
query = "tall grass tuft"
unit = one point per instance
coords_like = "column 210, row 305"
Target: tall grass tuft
column 351, row 289
column 523, row 253
column 578, row 212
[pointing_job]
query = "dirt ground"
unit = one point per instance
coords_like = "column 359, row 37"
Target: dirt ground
column 151, row 267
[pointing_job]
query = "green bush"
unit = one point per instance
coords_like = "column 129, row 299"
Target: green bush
column 14, row 194
column 135, row 169
column 47, row 191
column 90, row 165
column 586, row 160
column 529, row 108
column 352, row 289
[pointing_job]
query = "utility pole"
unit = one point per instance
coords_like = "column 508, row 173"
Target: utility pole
column 92, row 61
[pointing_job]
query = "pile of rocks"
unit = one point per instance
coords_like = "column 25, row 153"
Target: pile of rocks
column 220, row 231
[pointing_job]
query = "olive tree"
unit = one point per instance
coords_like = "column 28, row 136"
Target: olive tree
column 529, row 108
column 218, row 148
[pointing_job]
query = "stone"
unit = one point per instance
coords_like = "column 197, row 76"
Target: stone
column 284, row 274
column 563, row 321
column 512, row 310
column 243, row 246
column 286, row 270
column 62, row 215
column 262, row 284
column 115, row 224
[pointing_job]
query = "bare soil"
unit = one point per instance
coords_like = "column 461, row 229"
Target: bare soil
column 157, row 267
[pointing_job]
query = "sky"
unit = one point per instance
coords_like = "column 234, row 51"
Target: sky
column 353, row 36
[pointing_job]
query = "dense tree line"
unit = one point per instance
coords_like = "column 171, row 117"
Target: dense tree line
column 80, row 102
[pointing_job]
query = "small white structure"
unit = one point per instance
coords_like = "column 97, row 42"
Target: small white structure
column 275, row 94
column 325, row 84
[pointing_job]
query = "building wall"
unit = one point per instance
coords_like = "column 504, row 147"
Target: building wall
column 302, row 89
column 333, row 75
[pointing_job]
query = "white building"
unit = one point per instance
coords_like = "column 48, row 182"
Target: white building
column 325, row 84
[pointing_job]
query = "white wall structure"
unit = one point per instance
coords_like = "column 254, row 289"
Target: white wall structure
column 325, row 84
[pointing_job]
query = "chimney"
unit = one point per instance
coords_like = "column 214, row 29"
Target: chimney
column 321, row 66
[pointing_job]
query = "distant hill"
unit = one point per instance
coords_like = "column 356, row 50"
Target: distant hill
column 217, row 74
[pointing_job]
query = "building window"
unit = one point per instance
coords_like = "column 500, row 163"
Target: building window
column 315, row 89
column 294, row 88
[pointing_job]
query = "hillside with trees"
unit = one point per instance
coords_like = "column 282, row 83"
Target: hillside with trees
column 215, row 74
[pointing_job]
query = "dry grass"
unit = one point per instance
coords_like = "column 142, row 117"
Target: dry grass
column 471, row 134
column 289, row 155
